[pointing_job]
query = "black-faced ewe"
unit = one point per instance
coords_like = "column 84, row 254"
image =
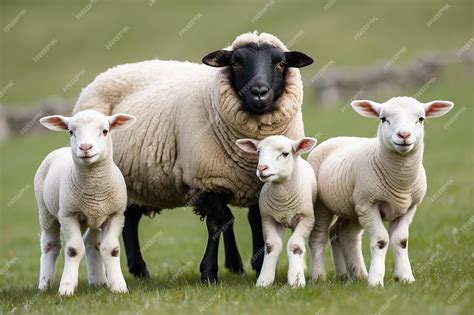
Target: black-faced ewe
column 183, row 151
column 78, row 187
column 365, row 181
column 286, row 200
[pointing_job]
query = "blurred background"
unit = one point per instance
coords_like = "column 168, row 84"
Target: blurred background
column 368, row 49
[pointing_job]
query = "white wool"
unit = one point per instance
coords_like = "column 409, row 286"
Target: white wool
column 364, row 181
column 189, row 119
column 286, row 200
column 74, row 188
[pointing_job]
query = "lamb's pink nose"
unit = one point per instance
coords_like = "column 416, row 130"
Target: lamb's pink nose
column 85, row 147
column 404, row 135
column 261, row 168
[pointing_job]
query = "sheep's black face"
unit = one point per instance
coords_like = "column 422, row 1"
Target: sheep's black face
column 258, row 73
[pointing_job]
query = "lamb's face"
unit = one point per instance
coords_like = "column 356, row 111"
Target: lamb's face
column 401, row 127
column 276, row 155
column 89, row 132
column 258, row 73
column 89, row 137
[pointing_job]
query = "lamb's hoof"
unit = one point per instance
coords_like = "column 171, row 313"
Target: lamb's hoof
column 263, row 283
column 139, row 270
column 375, row 282
column 208, row 278
column 119, row 288
column 320, row 277
column 45, row 284
column 405, row 278
column 66, row 290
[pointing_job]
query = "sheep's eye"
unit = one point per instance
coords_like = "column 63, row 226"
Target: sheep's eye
column 421, row 119
column 285, row 154
column 105, row 132
column 235, row 64
column 70, row 132
column 282, row 64
column 383, row 119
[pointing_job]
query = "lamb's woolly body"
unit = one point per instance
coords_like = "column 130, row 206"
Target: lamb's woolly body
column 80, row 186
column 189, row 117
column 92, row 193
column 356, row 171
column 291, row 201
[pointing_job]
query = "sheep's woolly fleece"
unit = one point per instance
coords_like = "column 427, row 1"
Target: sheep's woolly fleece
column 188, row 118
column 358, row 171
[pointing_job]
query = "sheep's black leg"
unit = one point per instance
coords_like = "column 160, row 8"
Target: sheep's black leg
column 136, row 264
column 233, row 261
column 255, row 221
column 213, row 205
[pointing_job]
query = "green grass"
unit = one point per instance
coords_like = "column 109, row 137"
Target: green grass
column 441, row 235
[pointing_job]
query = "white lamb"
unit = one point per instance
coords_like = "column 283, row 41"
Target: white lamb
column 81, row 187
column 286, row 200
column 365, row 181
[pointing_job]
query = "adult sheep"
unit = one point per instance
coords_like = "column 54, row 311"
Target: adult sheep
column 183, row 149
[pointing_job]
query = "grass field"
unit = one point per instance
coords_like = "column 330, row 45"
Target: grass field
column 441, row 236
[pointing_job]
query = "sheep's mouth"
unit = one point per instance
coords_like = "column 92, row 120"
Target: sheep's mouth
column 87, row 157
column 404, row 144
column 265, row 177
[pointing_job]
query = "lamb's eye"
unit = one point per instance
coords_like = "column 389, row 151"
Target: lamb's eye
column 235, row 65
column 70, row 132
column 105, row 132
column 383, row 119
column 421, row 119
column 285, row 154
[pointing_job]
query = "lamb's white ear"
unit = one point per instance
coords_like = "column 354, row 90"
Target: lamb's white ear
column 437, row 108
column 367, row 108
column 304, row 145
column 55, row 122
column 121, row 121
column 248, row 145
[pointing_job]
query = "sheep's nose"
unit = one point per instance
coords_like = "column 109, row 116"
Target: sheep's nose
column 261, row 168
column 404, row 135
column 85, row 147
column 260, row 91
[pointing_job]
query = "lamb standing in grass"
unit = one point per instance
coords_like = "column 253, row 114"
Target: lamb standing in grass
column 77, row 187
column 286, row 200
column 365, row 181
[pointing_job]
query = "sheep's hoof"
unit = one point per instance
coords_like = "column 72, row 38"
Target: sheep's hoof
column 235, row 266
column 208, row 279
column 139, row 271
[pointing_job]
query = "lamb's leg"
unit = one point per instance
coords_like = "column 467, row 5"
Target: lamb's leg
column 233, row 261
column 296, row 252
column 135, row 261
column 273, row 235
column 317, row 242
column 258, row 244
column 350, row 237
column 371, row 221
column 95, row 266
column 398, row 230
column 110, row 251
column 217, row 216
column 336, row 250
column 50, row 248
column 73, row 253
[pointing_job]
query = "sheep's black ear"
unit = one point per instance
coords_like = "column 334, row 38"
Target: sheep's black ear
column 297, row 59
column 218, row 58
